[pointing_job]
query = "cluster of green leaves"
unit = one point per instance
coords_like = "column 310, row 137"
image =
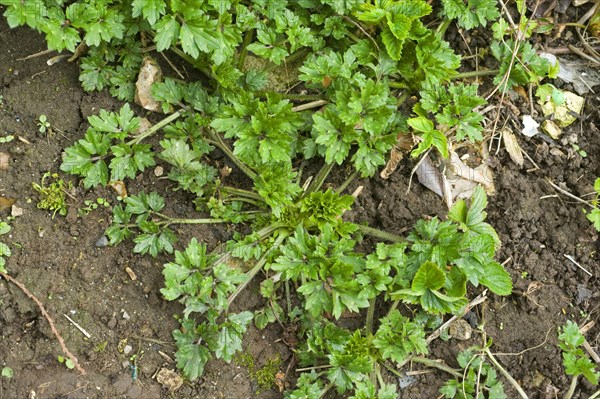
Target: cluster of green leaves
column 361, row 112
column 353, row 56
column 204, row 284
column 187, row 168
column 154, row 235
column 520, row 64
column 333, row 277
column 107, row 138
column 353, row 356
column 479, row 378
column 594, row 215
column 430, row 269
column 399, row 21
column 472, row 13
column 5, row 251
column 53, row 196
column 445, row 255
column 454, row 108
column 113, row 65
column 575, row 360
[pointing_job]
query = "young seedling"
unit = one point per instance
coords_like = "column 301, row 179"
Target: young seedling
column 44, row 125
column 67, row 362
column 594, row 215
column 91, row 205
column 7, row 372
column 575, row 360
column 5, row 250
column 7, row 139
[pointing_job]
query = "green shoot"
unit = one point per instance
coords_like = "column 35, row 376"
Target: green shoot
column 44, row 125
column 594, row 215
column 575, row 360
column 5, row 250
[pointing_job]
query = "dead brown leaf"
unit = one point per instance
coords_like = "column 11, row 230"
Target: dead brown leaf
column 392, row 164
column 130, row 273
column 512, row 147
column 6, row 202
column 225, row 171
column 150, row 73
column 280, row 381
column 464, row 179
column 119, row 188
column 431, row 177
column 404, row 143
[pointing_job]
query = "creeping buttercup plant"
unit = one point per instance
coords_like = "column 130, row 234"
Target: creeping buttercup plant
column 357, row 61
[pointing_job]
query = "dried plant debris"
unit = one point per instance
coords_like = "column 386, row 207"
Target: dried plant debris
column 150, row 73
column 405, row 143
column 453, row 178
column 512, row 147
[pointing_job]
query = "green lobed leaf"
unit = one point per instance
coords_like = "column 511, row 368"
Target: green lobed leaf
column 497, row 279
column 230, row 335
column 397, row 338
column 594, row 217
column 5, row 250
column 151, row 10
column 428, row 277
column 197, row 36
column 4, row 228
column 167, row 32
column 191, row 355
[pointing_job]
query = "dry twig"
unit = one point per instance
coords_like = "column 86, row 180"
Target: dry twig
column 50, row 321
column 578, row 265
column 568, row 194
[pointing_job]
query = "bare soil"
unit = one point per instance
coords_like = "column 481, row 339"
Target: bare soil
column 58, row 260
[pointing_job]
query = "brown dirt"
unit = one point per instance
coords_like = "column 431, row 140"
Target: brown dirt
column 58, row 261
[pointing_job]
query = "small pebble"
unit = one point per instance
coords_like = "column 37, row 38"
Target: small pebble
column 127, row 349
column 15, row 211
column 4, row 160
column 583, row 294
column 102, row 242
column 460, row 329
